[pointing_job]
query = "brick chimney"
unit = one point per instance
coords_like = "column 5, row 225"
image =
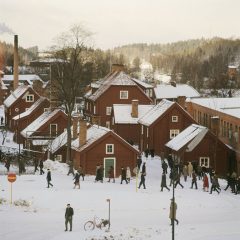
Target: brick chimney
column 215, row 122
column 15, row 66
column 82, row 132
column 117, row 68
column 181, row 100
column 134, row 112
column 75, row 126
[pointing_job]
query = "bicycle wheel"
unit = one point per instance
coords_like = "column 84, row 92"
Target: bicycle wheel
column 88, row 226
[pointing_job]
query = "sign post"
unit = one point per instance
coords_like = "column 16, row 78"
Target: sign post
column 11, row 178
column 109, row 208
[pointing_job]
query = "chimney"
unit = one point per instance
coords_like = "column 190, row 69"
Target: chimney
column 134, row 109
column 82, row 132
column 15, row 68
column 117, row 68
column 75, row 126
column 181, row 100
column 215, row 124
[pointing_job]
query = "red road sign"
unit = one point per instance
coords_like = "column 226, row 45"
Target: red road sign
column 12, row 177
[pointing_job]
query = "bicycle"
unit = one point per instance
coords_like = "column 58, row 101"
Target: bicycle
column 96, row 222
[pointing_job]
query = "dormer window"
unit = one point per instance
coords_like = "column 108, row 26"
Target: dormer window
column 123, row 94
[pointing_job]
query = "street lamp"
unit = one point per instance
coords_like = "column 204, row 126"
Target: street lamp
column 109, row 205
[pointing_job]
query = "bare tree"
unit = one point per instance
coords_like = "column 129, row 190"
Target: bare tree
column 71, row 54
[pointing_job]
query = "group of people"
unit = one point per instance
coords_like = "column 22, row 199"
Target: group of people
column 233, row 181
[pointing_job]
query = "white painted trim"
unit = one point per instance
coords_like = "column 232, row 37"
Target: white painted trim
column 113, row 166
column 107, row 144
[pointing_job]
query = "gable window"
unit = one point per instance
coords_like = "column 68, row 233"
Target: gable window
column 53, row 129
column 204, row 161
column 174, row 118
column 30, row 98
column 123, row 94
column 109, row 148
column 108, row 124
column 108, row 110
column 173, row 133
column 58, row 158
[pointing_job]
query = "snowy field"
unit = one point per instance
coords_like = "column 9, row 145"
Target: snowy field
column 141, row 215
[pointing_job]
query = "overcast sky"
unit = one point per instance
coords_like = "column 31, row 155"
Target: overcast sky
column 118, row 22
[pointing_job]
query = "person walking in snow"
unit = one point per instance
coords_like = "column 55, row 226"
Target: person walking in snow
column 194, row 180
column 164, row 182
column 173, row 212
column 185, row 172
column 7, row 164
column 36, row 165
column 81, row 172
column 123, row 175
column 142, row 182
column 205, row 183
column 111, row 174
column 71, row 170
column 164, row 167
column 229, row 181
column 199, row 172
column 214, row 186
column 190, row 169
column 170, row 161
column 41, row 167
column 49, row 178
column 178, row 179
column 139, row 162
column 77, row 180
column 99, row 173
column 128, row 174
column 68, row 217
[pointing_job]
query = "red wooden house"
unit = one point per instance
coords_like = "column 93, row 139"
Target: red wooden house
column 116, row 88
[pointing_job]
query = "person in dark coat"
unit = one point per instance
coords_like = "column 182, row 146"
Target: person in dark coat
column 123, row 175
column 229, row 181
column 139, row 162
column 170, row 161
column 36, row 165
column 99, row 173
column 41, row 167
column 144, row 168
column 71, row 170
column 178, row 179
column 77, row 180
column 81, row 172
column 2, row 120
column 194, row 180
column 238, row 186
column 142, row 182
column 68, row 217
column 164, row 182
column 111, row 174
column 164, row 167
column 214, row 186
column 49, row 178
column 7, row 164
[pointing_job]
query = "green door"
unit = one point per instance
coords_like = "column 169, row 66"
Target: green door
column 108, row 162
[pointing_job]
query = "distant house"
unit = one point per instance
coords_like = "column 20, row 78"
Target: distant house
column 18, row 102
column 116, row 88
column 161, row 123
column 125, row 120
column 173, row 91
column 197, row 144
column 3, row 89
column 24, row 119
column 46, row 127
column 99, row 145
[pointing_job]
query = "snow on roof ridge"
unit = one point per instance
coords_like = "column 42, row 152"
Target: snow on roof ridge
column 31, row 109
column 37, row 123
column 153, row 114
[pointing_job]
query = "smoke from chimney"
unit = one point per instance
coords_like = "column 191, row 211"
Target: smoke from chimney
column 5, row 29
column 15, row 66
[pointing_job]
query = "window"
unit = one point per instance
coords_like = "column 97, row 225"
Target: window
column 109, row 148
column 30, row 98
column 108, row 110
column 174, row 118
column 53, row 129
column 108, row 124
column 123, row 94
column 204, row 161
column 173, row 133
column 45, row 109
column 58, row 158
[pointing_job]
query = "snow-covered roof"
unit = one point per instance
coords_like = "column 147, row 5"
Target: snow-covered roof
column 230, row 106
column 58, row 142
column 93, row 134
column 170, row 92
column 155, row 112
column 31, row 109
column 122, row 113
column 192, row 135
column 143, row 84
column 16, row 94
column 115, row 78
column 40, row 121
column 22, row 77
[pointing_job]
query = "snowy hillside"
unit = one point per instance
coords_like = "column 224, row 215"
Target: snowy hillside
column 135, row 215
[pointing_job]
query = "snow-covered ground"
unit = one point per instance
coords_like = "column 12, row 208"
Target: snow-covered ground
column 140, row 215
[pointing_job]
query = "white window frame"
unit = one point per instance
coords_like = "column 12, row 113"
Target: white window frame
column 174, row 118
column 109, row 145
column 108, row 124
column 58, row 158
column 108, row 110
column 31, row 96
column 174, row 133
column 123, row 92
column 55, row 124
column 204, row 159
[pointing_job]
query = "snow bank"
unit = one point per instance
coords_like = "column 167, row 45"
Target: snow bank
column 56, row 166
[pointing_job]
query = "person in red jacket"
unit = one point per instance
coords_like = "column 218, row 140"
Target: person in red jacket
column 205, row 183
